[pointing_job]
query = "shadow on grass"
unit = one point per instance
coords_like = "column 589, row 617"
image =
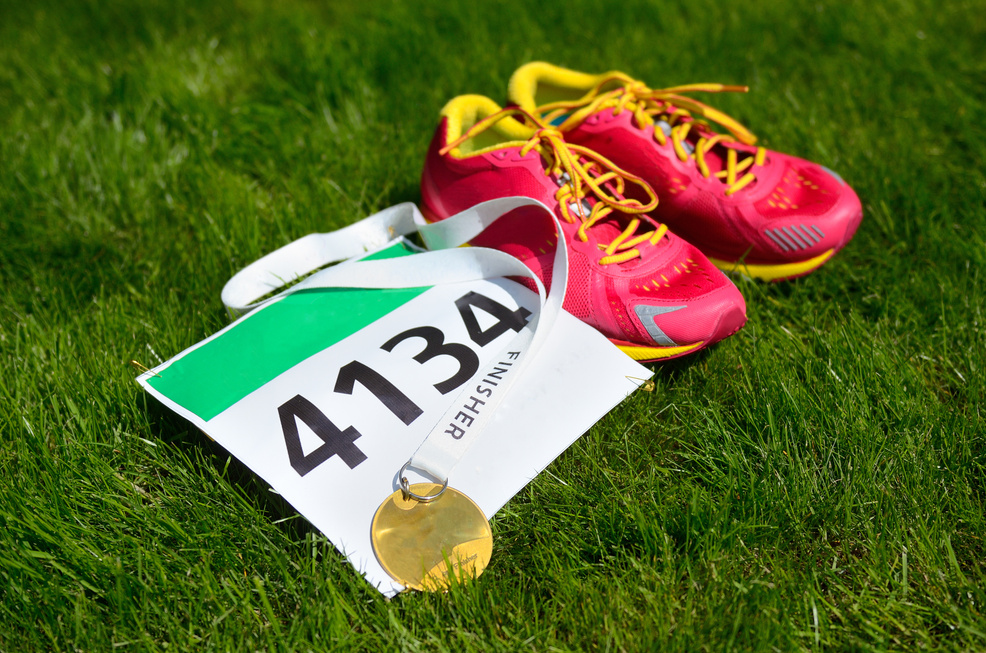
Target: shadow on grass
column 670, row 371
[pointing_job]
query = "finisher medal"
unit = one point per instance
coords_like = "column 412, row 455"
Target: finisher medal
column 422, row 543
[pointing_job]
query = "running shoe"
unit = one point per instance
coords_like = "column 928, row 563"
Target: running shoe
column 652, row 294
column 770, row 215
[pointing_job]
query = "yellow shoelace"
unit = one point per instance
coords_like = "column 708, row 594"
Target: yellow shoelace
column 577, row 179
column 650, row 106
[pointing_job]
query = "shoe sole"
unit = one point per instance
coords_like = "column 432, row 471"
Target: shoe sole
column 779, row 272
column 652, row 354
column 644, row 354
column 786, row 271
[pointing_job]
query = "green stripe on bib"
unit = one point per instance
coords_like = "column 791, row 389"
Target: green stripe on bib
column 271, row 341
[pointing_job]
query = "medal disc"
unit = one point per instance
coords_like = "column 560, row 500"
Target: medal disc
column 421, row 544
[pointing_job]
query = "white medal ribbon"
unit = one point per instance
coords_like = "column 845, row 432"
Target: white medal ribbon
column 447, row 263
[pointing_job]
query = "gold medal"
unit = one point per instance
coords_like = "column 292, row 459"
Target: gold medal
column 422, row 543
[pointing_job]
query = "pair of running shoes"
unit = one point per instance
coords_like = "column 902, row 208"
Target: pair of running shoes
column 599, row 150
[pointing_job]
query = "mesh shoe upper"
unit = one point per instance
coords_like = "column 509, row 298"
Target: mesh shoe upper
column 629, row 277
column 733, row 200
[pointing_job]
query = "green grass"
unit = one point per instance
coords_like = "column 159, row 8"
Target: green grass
column 815, row 482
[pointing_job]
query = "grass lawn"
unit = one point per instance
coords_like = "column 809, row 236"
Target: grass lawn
column 814, row 482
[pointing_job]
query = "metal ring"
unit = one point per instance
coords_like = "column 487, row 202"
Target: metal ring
column 408, row 494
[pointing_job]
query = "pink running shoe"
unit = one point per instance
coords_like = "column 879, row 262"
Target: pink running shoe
column 770, row 215
column 651, row 293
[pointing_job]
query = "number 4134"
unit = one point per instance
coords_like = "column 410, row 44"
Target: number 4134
column 342, row 442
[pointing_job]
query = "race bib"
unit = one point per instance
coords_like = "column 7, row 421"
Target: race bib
column 326, row 392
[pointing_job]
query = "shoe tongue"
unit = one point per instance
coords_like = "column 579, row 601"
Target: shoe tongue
column 714, row 158
column 604, row 231
column 608, row 228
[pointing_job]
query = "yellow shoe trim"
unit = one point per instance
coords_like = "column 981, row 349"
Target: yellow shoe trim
column 655, row 353
column 465, row 111
column 773, row 272
column 553, row 83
